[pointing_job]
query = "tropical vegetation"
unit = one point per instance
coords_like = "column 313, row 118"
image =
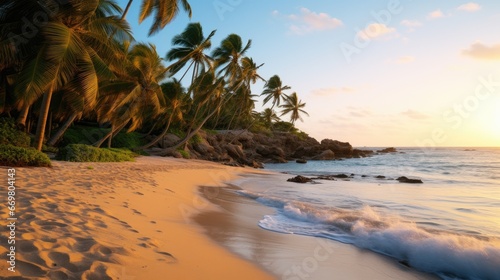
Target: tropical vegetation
column 72, row 73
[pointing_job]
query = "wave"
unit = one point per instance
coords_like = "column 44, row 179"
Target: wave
column 447, row 254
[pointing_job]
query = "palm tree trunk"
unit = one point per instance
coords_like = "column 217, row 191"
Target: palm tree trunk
column 42, row 118
column 113, row 131
column 62, row 130
column 23, row 115
column 158, row 138
column 193, row 132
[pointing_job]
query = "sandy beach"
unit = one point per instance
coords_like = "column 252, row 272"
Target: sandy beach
column 119, row 221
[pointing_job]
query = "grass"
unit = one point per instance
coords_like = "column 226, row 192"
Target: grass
column 86, row 153
column 21, row 156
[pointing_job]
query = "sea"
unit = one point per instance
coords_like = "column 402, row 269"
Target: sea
column 448, row 226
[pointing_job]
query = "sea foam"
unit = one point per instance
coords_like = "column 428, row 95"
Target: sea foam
column 446, row 254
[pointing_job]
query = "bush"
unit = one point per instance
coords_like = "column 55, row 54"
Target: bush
column 20, row 156
column 9, row 134
column 89, row 135
column 86, row 153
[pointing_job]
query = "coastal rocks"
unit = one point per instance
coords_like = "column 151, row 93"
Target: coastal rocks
column 342, row 149
column 407, row 180
column 300, row 179
column 242, row 147
column 325, row 155
column 388, row 150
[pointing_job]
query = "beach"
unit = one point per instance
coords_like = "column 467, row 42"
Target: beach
column 119, row 221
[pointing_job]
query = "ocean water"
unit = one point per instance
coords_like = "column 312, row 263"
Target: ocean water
column 448, row 226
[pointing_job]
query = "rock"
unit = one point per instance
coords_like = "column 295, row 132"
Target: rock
column 235, row 151
column 404, row 179
column 380, row 177
column 300, row 179
column 303, row 161
column 170, row 140
column 388, row 150
column 204, row 148
column 325, row 155
column 342, row 149
column 324, row 177
column 364, row 176
column 340, row 176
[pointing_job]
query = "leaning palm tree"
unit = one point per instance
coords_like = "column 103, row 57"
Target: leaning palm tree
column 269, row 117
column 209, row 97
column 293, row 106
column 275, row 90
column 71, row 50
column 192, row 45
column 164, row 12
column 137, row 95
column 228, row 58
column 176, row 97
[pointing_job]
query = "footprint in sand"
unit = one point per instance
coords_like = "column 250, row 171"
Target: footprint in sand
column 29, row 269
column 169, row 258
column 58, row 275
column 62, row 260
column 139, row 193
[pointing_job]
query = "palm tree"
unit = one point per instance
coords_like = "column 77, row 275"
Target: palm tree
column 274, row 89
column 165, row 11
column 71, row 51
column 192, row 45
column 176, row 99
column 209, row 97
column 244, row 104
column 269, row 117
column 137, row 95
column 294, row 107
column 228, row 55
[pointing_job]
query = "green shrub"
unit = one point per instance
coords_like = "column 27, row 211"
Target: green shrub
column 185, row 154
column 128, row 140
column 90, row 135
column 86, row 153
column 9, row 134
column 196, row 139
column 20, row 156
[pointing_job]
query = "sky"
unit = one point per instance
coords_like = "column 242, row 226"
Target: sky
column 373, row 73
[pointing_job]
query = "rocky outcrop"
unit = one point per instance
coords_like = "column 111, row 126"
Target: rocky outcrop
column 388, row 150
column 404, row 179
column 300, row 179
column 242, row 147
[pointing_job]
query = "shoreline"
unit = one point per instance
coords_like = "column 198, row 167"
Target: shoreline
column 235, row 226
column 120, row 221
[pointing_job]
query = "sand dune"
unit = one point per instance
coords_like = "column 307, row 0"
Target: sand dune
column 119, row 221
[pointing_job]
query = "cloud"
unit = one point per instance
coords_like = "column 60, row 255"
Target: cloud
column 469, row 7
column 435, row 14
column 415, row 115
column 332, row 91
column 375, row 30
column 308, row 21
column 483, row 52
column 411, row 23
column 405, row 59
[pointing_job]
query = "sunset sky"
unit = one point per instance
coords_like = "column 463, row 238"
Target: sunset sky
column 373, row 73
